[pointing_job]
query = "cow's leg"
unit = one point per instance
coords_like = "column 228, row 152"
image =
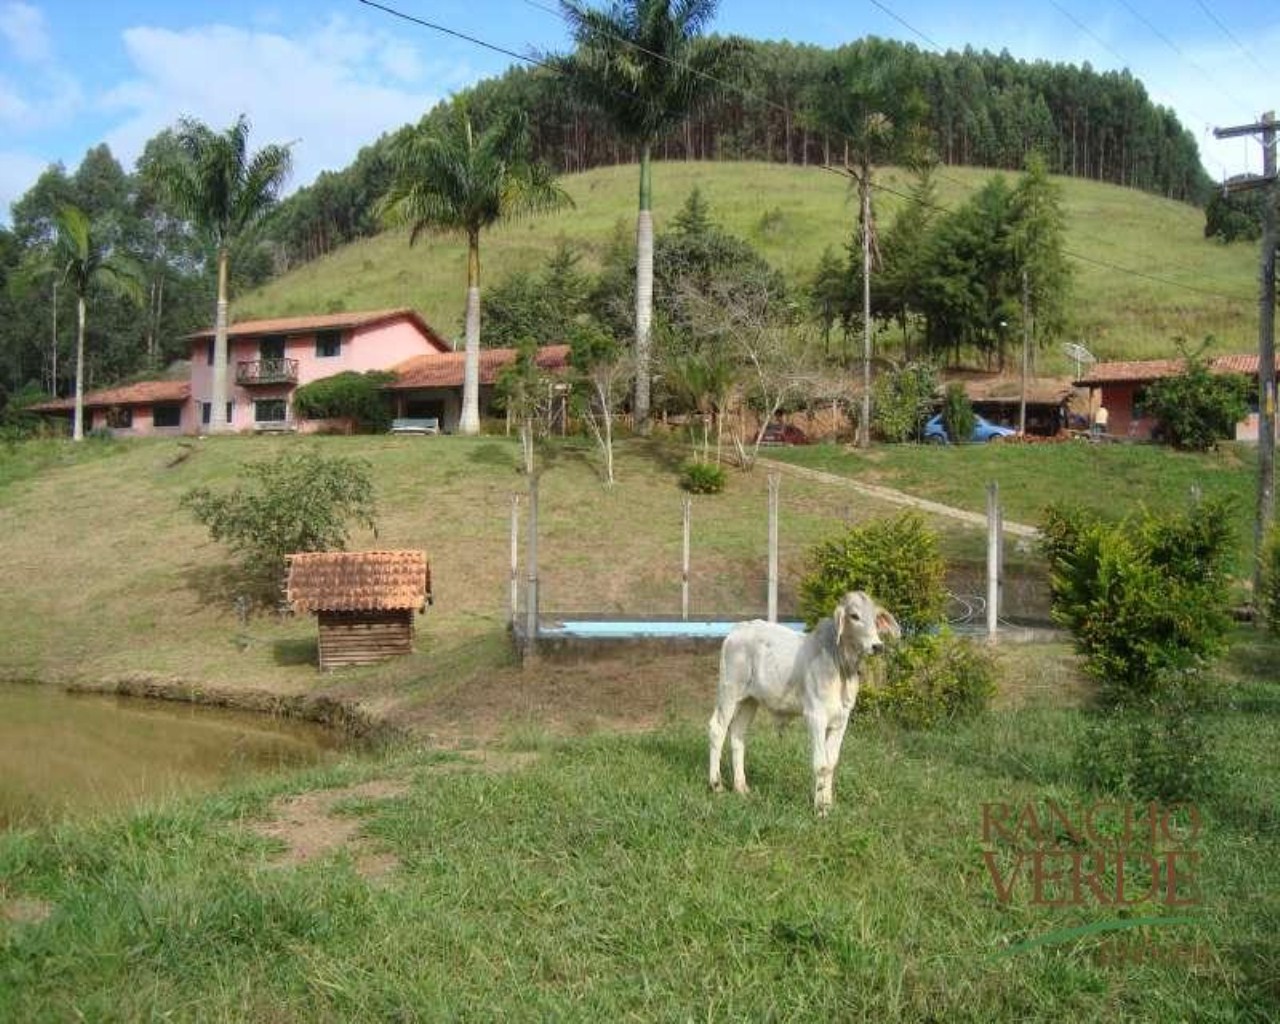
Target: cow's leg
column 817, row 725
column 835, row 737
column 716, row 732
column 738, row 743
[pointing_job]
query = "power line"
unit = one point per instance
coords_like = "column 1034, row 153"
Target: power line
column 906, row 24
column 1231, row 35
column 746, row 92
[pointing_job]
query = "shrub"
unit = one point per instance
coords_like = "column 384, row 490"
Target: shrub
column 1144, row 597
column 957, row 414
column 902, row 401
column 298, row 501
column 1198, row 408
column 702, row 477
column 350, row 395
column 896, row 561
column 1146, row 602
column 931, row 679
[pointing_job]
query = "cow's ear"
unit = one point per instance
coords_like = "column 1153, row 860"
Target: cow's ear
column 886, row 623
column 839, row 616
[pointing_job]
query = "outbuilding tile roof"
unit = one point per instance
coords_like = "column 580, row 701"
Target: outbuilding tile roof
column 445, row 371
column 326, row 322
column 147, row 392
column 1155, row 369
column 355, row 581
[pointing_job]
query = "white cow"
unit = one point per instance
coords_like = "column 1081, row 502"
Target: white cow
column 812, row 674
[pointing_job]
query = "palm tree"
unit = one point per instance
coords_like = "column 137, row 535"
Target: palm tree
column 216, row 184
column 453, row 181
column 83, row 260
column 643, row 64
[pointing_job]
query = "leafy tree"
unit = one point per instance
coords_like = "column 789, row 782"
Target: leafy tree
column 358, row 397
column 903, row 401
column 1037, row 234
column 828, row 294
column 81, row 259
column 603, row 374
column 530, row 396
column 544, row 306
column 1234, row 217
column 643, row 65
column 298, row 501
column 450, row 180
column 1197, row 408
column 215, row 183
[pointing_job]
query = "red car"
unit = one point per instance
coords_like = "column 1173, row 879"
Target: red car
column 784, row 433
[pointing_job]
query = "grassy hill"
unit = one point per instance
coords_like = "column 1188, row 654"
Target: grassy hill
column 792, row 214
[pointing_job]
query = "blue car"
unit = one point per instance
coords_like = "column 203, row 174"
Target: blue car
column 983, row 430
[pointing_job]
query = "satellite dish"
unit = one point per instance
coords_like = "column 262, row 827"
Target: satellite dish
column 1080, row 354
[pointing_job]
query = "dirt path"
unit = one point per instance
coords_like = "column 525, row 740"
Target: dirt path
column 888, row 494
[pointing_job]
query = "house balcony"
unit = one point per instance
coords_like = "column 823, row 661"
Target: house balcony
column 267, row 371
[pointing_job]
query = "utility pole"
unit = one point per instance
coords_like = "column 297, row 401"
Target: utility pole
column 1266, row 128
column 864, row 431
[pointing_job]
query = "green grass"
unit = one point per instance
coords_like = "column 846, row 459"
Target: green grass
column 791, row 214
column 602, row 881
column 1112, row 478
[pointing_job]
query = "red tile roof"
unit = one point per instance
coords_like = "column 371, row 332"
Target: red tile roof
column 445, row 370
column 1154, row 369
column 147, row 392
column 357, row 581
column 326, row 322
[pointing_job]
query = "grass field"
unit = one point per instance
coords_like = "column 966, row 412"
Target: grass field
column 546, row 847
column 596, row 878
column 791, row 214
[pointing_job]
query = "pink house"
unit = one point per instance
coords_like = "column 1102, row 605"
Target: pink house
column 268, row 359
column 1121, row 388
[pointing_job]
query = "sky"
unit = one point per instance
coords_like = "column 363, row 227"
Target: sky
column 332, row 75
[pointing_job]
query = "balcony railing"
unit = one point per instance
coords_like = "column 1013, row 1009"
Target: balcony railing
column 267, row 371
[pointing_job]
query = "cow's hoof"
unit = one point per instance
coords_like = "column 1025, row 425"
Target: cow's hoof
column 717, row 786
column 823, row 810
column 744, row 789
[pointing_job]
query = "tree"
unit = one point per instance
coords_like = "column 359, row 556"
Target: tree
column 643, row 64
column 214, row 182
column 81, row 259
column 1037, row 233
column 451, row 180
column 298, row 501
column 604, row 373
column 1197, row 408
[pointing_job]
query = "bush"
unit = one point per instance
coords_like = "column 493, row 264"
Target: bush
column 902, row 401
column 957, row 414
column 931, row 679
column 298, row 501
column 1145, row 598
column 1197, row 408
column 355, row 396
column 702, row 477
column 1146, row 602
column 896, row 561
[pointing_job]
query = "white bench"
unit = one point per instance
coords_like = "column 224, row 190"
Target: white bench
column 409, row 425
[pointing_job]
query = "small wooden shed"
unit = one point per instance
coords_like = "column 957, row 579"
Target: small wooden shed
column 365, row 601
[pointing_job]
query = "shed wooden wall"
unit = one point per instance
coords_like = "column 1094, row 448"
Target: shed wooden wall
column 361, row 638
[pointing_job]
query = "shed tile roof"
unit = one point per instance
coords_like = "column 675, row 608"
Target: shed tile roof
column 352, row 581
column 445, row 370
column 326, row 322
column 147, row 392
column 1155, row 369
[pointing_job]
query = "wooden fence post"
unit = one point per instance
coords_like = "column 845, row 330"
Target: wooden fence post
column 531, row 591
column 774, row 481
column 515, row 558
column 687, row 502
column 993, row 558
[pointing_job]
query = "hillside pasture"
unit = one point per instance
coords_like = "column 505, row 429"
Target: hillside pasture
column 791, row 214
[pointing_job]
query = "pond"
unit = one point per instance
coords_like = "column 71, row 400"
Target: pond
column 73, row 755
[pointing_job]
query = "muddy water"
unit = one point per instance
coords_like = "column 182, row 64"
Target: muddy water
column 71, row 755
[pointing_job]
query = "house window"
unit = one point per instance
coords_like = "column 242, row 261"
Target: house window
column 328, row 344
column 271, row 347
column 269, row 410
column 166, row 415
column 120, row 417
column 206, row 411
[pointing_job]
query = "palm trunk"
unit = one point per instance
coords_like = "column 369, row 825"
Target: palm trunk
column 470, row 422
column 218, row 399
column 77, row 429
column 644, row 293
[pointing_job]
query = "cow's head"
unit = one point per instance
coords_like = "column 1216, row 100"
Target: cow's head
column 862, row 625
